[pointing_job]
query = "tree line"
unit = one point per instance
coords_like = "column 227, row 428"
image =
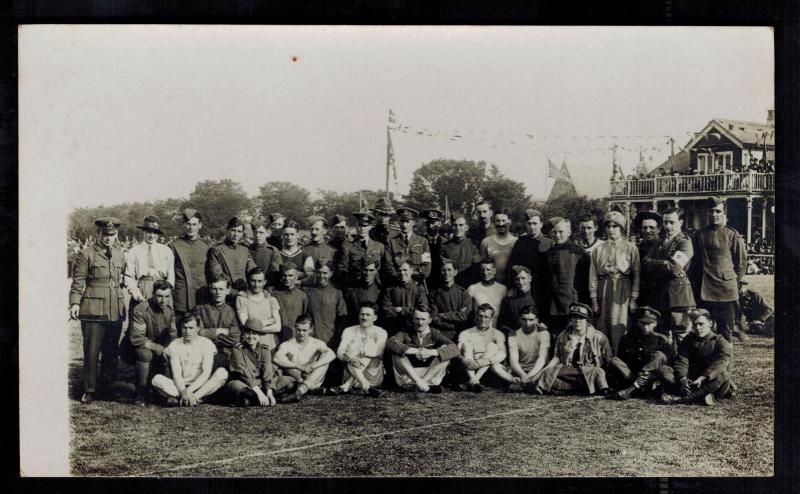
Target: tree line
column 463, row 183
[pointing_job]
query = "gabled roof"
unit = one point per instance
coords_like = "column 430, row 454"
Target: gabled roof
column 739, row 132
column 564, row 171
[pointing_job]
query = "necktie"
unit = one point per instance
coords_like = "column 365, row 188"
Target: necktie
column 151, row 262
column 576, row 357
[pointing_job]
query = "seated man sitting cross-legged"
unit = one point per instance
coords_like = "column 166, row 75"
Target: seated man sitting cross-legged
column 305, row 359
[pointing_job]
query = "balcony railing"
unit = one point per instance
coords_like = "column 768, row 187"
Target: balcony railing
column 722, row 183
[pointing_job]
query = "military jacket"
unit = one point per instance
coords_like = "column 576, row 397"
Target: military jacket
column 416, row 252
column 97, row 284
column 722, row 261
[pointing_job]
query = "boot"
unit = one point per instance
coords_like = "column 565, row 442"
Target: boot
column 140, row 397
column 624, row 394
column 701, row 394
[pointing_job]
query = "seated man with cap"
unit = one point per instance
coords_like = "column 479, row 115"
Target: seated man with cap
column 579, row 357
column 304, row 359
column 191, row 360
column 463, row 252
column 361, row 349
column 230, row 258
column 702, row 365
column 407, row 246
column 360, row 248
column 519, row 296
column 252, row 379
column 147, row 262
column 450, row 305
column 97, row 299
column 150, row 330
column 420, row 355
column 482, row 348
column 643, row 353
column 755, row 313
column 433, row 221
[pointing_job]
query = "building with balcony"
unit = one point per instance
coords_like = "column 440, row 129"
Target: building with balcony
column 728, row 158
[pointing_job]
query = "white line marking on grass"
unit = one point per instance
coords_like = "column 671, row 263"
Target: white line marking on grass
column 358, row 438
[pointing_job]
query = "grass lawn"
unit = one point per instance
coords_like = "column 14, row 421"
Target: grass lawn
column 453, row 434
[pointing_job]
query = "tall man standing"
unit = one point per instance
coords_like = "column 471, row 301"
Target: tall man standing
column 649, row 225
column 97, row 299
column 433, row 221
column 383, row 211
column 722, row 263
column 463, row 252
column 230, row 258
column 147, row 262
column 190, row 253
column 499, row 245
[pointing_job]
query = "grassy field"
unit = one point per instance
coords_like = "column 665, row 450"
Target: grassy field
column 453, row 434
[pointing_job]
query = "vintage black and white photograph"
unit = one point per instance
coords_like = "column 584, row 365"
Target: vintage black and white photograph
column 362, row 251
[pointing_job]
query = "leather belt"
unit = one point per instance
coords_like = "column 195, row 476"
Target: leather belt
column 102, row 284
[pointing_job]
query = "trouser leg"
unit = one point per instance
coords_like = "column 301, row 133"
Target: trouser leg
column 165, row 386
column 109, row 352
column 92, row 341
column 724, row 313
column 143, row 359
column 619, row 371
column 679, row 324
column 216, row 381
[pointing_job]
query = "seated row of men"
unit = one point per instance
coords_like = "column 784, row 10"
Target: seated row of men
column 190, row 367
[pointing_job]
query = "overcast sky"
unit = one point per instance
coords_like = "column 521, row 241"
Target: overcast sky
column 137, row 113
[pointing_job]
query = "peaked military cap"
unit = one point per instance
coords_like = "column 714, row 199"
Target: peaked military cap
column 647, row 314
column 108, row 224
column 406, row 213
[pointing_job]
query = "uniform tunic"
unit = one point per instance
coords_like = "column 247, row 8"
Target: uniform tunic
column 267, row 258
column 96, row 288
column 562, row 262
column 709, row 356
column 583, row 358
column 414, row 250
column 355, row 296
column 190, row 260
column 218, row 316
column 661, row 267
column 636, row 349
column 435, row 244
column 451, row 310
column 353, row 252
column 381, row 234
column 328, row 309
column 614, row 281
column 722, row 261
column 466, row 258
column 231, row 260
column 252, row 367
column 150, row 324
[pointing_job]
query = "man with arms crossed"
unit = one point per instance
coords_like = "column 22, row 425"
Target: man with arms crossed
column 361, row 349
column 420, row 356
column 482, row 348
column 305, row 359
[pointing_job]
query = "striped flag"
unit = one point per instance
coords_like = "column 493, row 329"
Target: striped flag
column 552, row 170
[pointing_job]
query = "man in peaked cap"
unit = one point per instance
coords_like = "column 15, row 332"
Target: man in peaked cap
column 407, row 246
column 190, row 252
column 97, row 299
column 383, row 212
column 721, row 262
column 353, row 252
column 580, row 355
column 433, row 221
column 642, row 354
column 147, row 262
column 648, row 224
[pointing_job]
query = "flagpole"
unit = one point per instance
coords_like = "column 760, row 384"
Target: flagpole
column 388, row 155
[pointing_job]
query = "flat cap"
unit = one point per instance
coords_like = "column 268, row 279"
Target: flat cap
column 556, row 220
column 287, row 266
column 530, row 213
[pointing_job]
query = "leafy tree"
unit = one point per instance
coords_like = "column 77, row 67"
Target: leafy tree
column 460, row 181
column 505, row 193
column 330, row 202
column 217, row 201
column 573, row 208
column 287, row 198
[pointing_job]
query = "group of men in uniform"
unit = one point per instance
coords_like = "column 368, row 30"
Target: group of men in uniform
column 273, row 321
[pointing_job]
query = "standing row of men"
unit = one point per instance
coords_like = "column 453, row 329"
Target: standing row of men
column 393, row 266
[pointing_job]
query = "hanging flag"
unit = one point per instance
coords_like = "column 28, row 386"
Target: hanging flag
column 552, row 170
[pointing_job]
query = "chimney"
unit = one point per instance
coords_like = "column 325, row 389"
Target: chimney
column 771, row 117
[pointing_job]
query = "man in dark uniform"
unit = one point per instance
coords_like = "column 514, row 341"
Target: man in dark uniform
column 433, row 220
column 292, row 299
column 230, row 258
column 190, row 253
column 318, row 248
column 518, row 297
column 338, row 224
column 365, row 288
column 218, row 320
column 450, row 306
column 702, row 365
column 360, row 248
column 398, row 302
column 264, row 255
column 530, row 250
column 383, row 211
column 97, row 299
column 407, row 246
column 563, row 259
column 463, row 252
column 648, row 224
column 484, row 227
column 755, row 314
column 721, row 263
column 642, row 353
